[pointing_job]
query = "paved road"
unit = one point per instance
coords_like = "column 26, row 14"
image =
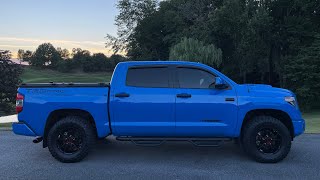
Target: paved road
column 21, row 159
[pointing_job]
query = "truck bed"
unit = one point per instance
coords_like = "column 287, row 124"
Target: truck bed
column 42, row 100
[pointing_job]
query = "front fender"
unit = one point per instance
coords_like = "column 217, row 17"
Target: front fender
column 247, row 104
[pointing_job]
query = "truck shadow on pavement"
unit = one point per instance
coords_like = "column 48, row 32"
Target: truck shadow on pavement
column 110, row 149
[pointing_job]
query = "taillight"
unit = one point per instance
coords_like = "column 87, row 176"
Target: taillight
column 19, row 102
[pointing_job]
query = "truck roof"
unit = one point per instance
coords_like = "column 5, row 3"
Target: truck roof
column 175, row 62
column 161, row 62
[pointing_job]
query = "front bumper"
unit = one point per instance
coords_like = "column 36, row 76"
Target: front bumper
column 21, row 128
column 298, row 126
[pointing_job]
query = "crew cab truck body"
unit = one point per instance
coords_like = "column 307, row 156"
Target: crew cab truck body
column 153, row 101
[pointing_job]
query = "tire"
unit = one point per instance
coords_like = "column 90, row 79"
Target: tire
column 70, row 139
column 266, row 139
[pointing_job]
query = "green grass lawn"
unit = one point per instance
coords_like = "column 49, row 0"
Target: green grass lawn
column 31, row 75
column 5, row 125
column 312, row 122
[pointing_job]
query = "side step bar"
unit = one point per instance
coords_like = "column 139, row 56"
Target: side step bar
column 156, row 141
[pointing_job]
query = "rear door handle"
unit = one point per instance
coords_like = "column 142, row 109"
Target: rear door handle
column 184, row 95
column 122, row 95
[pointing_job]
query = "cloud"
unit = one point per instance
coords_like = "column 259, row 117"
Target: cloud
column 16, row 46
column 14, row 43
column 95, row 43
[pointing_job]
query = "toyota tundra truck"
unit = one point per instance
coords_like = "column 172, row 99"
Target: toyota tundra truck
column 151, row 102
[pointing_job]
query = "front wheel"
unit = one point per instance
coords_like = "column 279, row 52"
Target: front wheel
column 266, row 139
column 70, row 139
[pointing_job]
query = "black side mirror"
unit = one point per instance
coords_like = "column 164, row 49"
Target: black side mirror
column 219, row 84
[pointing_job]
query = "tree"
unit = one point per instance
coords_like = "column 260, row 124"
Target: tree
column 193, row 50
column 303, row 74
column 64, row 53
column 260, row 40
column 131, row 12
column 115, row 59
column 9, row 81
column 45, row 55
column 147, row 42
column 80, row 56
column 20, row 54
column 98, row 62
column 27, row 56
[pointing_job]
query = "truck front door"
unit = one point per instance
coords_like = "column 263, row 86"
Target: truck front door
column 200, row 109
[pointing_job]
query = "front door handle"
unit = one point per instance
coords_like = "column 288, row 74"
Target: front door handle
column 122, row 95
column 184, row 95
column 229, row 99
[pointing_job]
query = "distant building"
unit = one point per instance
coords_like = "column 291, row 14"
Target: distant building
column 17, row 61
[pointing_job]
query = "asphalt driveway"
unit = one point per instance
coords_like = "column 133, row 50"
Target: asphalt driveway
column 21, row 159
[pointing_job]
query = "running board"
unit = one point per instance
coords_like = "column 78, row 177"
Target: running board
column 156, row 141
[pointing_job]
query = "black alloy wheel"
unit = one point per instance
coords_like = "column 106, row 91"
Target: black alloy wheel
column 70, row 139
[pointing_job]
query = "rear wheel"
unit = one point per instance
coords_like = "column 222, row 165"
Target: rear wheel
column 70, row 139
column 266, row 139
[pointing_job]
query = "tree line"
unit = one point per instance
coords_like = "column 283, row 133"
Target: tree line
column 274, row 42
column 47, row 56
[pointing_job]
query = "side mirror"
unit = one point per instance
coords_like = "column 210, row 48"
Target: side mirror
column 220, row 83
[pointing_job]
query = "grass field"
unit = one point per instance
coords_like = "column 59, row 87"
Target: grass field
column 31, row 75
column 312, row 122
column 5, row 125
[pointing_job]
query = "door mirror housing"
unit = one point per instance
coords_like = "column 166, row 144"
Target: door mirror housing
column 219, row 84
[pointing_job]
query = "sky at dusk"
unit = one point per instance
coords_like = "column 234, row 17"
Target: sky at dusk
column 65, row 23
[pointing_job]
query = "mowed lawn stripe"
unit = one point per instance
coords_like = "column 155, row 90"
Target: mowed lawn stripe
column 31, row 75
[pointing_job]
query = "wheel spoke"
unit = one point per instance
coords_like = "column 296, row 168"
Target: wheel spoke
column 69, row 140
column 268, row 140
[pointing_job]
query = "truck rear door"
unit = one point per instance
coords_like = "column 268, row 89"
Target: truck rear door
column 144, row 104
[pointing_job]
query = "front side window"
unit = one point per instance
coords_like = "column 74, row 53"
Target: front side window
column 153, row 77
column 194, row 78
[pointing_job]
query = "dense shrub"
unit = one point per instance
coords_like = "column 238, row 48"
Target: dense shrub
column 98, row 62
column 9, row 81
column 66, row 65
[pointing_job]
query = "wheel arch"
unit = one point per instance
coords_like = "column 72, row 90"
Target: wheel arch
column 59, row 114
column 278, row 114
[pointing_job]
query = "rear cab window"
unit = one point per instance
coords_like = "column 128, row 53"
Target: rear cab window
column 148, row 77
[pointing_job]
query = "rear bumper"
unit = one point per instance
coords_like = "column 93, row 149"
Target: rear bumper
column 22, row 129
column 298, row 126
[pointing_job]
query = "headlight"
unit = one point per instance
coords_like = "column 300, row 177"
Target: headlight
column 291, row 100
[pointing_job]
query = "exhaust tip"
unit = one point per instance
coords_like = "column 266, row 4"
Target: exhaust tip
column 37, row 140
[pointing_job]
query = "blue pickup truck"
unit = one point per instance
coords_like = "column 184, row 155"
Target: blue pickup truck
column 150, row 102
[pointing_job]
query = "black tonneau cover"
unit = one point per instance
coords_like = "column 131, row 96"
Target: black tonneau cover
column 64, row 85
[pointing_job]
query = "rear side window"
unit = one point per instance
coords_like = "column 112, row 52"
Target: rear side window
column 194, row 78
column 156, row 77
